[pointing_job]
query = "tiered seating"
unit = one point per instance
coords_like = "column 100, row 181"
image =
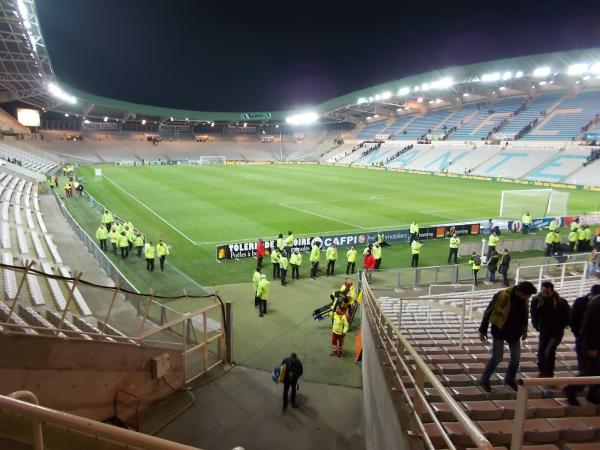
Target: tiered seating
column 514, row 163
column 439, row 158
column 532, row 111
column 561, row 165
column 586, row 175
column 28, row 160
column 371, row 130
column 565, row 122
column 487, row 118
column 405, row 159
column 458, row 117
column 426, row 124
column 549, row 419
column 398, row 127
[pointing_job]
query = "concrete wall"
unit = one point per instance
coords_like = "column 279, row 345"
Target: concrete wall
column 82, row 377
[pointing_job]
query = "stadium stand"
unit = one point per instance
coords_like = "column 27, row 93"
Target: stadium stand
column 26, row 159
column 514, row 163
column 399, row 126
column 533, row 110
column 372, row 129
column 568, row 118
column 426, row 124
column 479, row 125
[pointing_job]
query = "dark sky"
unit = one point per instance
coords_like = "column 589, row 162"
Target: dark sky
column 221, row 55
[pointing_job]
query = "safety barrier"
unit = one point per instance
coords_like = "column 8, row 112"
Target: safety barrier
column 26, row 405
column 558, row 273
column 513, row 245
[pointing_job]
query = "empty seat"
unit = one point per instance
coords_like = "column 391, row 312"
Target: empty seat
column 497, row 431
column 585, row 408
column 483, row 410
column 547, row 407
column 540, row 431
column 573, row 429
column 508, row 408
column 593, row 422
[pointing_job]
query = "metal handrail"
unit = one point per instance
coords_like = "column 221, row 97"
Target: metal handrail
column 523, row 395
column 471, row 428
column 81, row 425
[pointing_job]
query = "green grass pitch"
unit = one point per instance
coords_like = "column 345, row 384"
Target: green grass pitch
column 195, row 207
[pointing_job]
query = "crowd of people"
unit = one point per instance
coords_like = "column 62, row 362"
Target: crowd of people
column 125, row 240
column 508, row 314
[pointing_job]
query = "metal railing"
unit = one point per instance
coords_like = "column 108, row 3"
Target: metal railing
column 523, row 396
column 419, row 277
column 558, row 273
column 26, row 404
column 396, row 348
column 513, row 245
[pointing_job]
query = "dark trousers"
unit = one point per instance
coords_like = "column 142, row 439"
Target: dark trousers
column 413, row 236
column 262, row 307
column 350, row 267
column 330, row 266
column 295, row 271
column 546, row 354
column 282, row 274
column 414, row 261
column 377, row 263
column 256, row 302
column 525, row 229
column 590, row 368
column 548, row 251
column 276, row 270
column 259, row 260
column 314, row 269
column 124, row 252
column 490, row 250
column 103, row 244
column 162, row 262
column 572, row 246
column 496, row 358
column 453, row 254
column 492, row 275
column 581, row 246
column 114, row 246
column 504, row 273
column 287, row 384
column 475, row 276
column 139, row 251
column 150, row 264
column 108, row 226
column 580, row 355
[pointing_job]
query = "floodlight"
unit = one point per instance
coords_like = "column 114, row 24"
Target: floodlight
column 368, row 117
column 376, row 116
column 542, row 71
column 420, row 100
column 276, row 126
column 466, row 94
column 86, row 121
column 66, row 115
column 541, row 83
column 577, row 69
column 404, row 91
column 587, row 77
column 386, row 95
column 377, row 97
column 60, row 94
column 399, row 109
column 245, row 124
column 486, row 78
column 507, row 75
column 361, row 100
column 443, row 83
column 306, row 118
column 595, row 68
column 425, row 87
column 502, row 88
column 416, row 89
column 106, row 119
column 431, row 102
column 438, row 100
column 171, row 119
column 143, row 121
column 519, row 74
column 22, row 10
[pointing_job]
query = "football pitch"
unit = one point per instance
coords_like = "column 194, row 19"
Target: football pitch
column 193, row 208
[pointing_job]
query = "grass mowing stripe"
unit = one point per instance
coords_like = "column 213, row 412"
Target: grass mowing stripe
column 151, row 210
column 320, row 215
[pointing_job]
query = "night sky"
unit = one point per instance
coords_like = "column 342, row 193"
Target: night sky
column 258, row 56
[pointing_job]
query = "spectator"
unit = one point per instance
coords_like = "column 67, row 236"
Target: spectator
column 576, row 320
column 289, row 373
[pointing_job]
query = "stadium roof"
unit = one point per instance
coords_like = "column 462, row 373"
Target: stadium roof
column 27, row 75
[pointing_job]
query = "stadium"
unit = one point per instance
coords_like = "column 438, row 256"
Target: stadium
column 371, row 229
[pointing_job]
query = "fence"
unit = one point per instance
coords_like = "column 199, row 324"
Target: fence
column 513, row 245
column 558, row 273
column 419, row 277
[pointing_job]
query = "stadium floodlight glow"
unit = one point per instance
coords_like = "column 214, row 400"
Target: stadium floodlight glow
column 519, row 74
column 378, row 97
column 507, row 75
column 541, row 72
column 376, row 116
column 488, row 77
column 466, row 94
column 86, row 121
column 541, row 83
column 60, row 94
column 438, row 100
column 245, row 124
column 143, row 121
column 212, row 125
column 502, row 88
column 416, row 89
column 361, row 100
column 425, row 87
column 305, row 118
column 386, row 95
column 368, row 117
column 66, row 115
column 420, row 100
column 443, row 83
column 431, row 102
column 577, row 69
column 404, row 91
column 587, row 77
column 276, row 126
column 105, row 119
column 595, row 68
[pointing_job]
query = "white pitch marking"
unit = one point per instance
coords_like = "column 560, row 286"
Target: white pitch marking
column 152, row 211
column 320, row 215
